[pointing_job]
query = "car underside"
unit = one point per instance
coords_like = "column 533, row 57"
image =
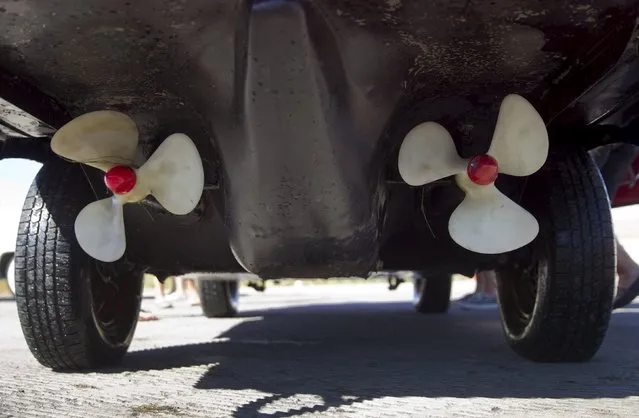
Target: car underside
column 298, row 110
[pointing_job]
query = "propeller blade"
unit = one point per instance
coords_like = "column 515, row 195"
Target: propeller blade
column 99, row 229
column 428, row 154
column 174, row 174
column 488, row 222
column 520, row 141
column 100, row 139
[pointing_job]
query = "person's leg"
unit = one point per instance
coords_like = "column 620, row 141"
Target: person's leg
column 485, row 294
column 160, row 299
column 477, row 289
column 172, row 287
column 159, row 289
column 489, row 282
column 179, row 293
column 628, row 272
column 479, row 278
column 627, row 268
column 614, row 162
column 191, row 291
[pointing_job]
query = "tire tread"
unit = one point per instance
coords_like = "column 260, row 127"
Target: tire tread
column 216, row 298
column 49, row 293
column 569, row 325
column 435, row 295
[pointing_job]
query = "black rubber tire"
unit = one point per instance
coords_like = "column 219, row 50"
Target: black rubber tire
column 219, row 299
column 75, row 312
column 432, row 294
column 555, row 305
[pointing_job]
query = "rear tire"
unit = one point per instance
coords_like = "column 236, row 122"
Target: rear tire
column 432, row 294
column 555, row 305
column 75, row 312
column 219, row 299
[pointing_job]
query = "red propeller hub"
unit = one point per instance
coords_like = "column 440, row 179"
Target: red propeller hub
column 120, row 179
column 483, row 169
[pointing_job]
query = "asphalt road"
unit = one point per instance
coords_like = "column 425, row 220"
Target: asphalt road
column 350, row 350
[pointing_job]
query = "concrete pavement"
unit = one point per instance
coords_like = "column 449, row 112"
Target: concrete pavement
column 350, row 350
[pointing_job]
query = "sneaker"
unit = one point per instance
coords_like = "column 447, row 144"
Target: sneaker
column 478, row 301
column 465, row 297
column 193, row 299
column 162, row 303
column 175, row 297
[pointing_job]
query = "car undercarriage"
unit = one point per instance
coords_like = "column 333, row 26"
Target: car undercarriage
column 298, row 111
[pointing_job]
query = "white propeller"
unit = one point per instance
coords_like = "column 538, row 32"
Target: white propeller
column 108, row 140
column 486, row 221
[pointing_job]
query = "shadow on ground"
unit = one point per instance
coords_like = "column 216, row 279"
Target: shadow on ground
column 355, row 352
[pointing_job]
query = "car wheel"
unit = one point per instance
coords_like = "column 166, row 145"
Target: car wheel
column 75, row 312
column 431, row 294
column 219, row 298
column 555, row 300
